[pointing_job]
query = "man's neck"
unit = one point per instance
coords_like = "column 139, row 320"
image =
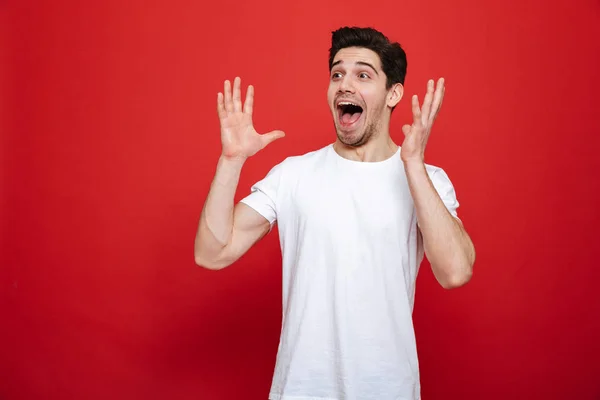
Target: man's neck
column 376, row 149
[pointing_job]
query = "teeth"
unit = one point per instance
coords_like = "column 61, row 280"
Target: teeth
column 347, row 103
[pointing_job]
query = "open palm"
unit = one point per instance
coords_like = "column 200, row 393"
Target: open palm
column 238, row 136
column 417, row 134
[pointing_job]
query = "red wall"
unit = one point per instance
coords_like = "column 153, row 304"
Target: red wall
column 110, row 139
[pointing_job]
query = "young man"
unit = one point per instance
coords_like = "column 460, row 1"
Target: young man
column 355, row 219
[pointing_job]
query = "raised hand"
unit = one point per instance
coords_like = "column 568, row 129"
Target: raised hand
column 417, row 134
column 239, row 139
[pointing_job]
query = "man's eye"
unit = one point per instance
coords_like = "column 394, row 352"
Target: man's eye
column 364, row 75
column 336, row 75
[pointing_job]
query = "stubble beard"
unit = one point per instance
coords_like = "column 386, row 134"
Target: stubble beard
column 369, row 131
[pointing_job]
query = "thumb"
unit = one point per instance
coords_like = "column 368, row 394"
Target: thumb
column 406, row 129
column 272, row 136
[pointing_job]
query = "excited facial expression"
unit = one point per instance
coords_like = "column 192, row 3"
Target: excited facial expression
column 357, row 95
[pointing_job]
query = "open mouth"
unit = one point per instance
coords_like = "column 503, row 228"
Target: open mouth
column 348, row 112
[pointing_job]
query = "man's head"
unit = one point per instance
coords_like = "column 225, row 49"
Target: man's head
column 366, row 82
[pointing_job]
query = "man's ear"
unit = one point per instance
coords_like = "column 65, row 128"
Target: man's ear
column 395, row 95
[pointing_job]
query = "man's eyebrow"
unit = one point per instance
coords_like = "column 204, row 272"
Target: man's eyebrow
column 368, row 65
column 357, row 63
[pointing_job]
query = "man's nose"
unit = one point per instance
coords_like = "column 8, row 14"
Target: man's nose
column 346, row 85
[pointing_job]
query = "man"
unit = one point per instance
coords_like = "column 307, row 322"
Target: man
column 355, row 219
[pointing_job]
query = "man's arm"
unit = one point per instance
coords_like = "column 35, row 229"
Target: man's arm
column 225, row 232
column 448, row 247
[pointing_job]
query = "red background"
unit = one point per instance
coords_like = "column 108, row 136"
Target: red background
column 109, row 143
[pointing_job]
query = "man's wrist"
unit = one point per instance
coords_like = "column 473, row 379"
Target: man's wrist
column 232, row 162
column 414, row 164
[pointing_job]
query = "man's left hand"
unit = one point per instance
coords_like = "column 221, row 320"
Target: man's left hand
column 417, row 134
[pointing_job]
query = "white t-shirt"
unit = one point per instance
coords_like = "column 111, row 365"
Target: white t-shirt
column 351, row 252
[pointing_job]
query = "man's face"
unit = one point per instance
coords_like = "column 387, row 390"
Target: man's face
column 356, row 94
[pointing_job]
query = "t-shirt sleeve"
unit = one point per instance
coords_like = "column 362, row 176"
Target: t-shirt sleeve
column 263, row 195
column 445, row 189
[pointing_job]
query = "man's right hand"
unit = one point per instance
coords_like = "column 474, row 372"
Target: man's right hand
column 239, row 139
column 227, row 230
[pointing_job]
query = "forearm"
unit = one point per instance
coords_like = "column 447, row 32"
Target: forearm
column 216, row 220
column 447, row 245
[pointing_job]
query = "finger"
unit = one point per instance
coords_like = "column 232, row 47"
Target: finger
column 406, row 130
column 227, row 96
column 270, row 137
column 221, row 106
column 237, row 96
column 249, row 103
column 426, row 110
column 437, row 100
column 416, row 111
